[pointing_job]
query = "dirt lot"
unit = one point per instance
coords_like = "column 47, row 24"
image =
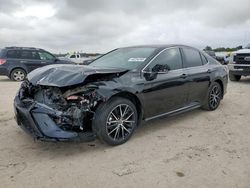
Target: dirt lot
column 195, row 149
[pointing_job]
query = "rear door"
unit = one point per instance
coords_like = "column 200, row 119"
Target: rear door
column 13, row 58
column 30, row 59
column 198, row 73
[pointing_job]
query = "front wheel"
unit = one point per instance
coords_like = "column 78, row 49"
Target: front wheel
column 115, row 121
column 214, row 96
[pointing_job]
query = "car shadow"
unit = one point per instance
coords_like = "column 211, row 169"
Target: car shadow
column 67, row 149
column 245, row 80
column 5, row 79
column 164, row 122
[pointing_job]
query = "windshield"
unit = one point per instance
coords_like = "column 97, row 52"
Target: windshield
column 128, row 58
column 248, row 46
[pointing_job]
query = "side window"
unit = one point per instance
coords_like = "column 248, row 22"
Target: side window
column 170, row 57
column 15, row 54
column 204, row 59
column 192, row 57
column 46, row 56
column 73, row 56
column 27, row 54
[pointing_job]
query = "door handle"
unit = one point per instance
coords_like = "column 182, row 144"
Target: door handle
column 209, row 71
column 183, row 76
column 43, row 62
column 23, row 61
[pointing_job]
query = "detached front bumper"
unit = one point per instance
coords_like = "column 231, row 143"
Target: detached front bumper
column 34, row 119
column 239, row 69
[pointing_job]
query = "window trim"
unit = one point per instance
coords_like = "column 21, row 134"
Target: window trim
column 205, row 59
column 175, row 47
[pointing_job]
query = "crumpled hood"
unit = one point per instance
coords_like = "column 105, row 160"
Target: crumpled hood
column 66, row 75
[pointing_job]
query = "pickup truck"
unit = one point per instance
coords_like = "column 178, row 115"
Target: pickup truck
column 239, row 64
column 76, row 58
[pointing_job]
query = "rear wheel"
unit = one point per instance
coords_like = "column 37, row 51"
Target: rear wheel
column 17, row 75
column 234, row 77
column 115, row 121
column 214, row 96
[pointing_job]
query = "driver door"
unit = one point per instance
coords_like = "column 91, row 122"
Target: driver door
column 168, row 90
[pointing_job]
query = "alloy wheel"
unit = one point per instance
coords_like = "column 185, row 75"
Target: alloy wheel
column 120, row 122
column 215, row 97
column 19, row 75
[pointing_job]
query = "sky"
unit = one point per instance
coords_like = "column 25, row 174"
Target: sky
column 102, row 25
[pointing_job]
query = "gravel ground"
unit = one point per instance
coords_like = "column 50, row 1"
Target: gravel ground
column 194, row 149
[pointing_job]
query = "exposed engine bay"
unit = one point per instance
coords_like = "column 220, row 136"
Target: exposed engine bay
column 70, row 109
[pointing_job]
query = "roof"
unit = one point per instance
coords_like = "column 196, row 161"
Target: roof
column 22, row 48
column 158, row 46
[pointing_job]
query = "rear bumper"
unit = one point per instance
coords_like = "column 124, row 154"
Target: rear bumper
column 33, row 118
column 3, row 71
column 239, row 69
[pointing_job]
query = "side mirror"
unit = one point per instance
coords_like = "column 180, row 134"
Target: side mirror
column 160, row 68
column 150, row 75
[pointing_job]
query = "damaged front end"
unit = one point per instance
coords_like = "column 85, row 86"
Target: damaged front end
column 57, row 114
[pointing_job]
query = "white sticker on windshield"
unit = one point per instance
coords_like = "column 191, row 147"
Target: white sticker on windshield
column 138, row 59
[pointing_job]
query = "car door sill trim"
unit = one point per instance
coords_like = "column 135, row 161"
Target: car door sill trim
column 177, row 111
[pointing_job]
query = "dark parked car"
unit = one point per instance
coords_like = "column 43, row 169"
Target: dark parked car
column 17, row 62
column 110, row 97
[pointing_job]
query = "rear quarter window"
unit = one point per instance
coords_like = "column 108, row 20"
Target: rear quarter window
column 15, row 54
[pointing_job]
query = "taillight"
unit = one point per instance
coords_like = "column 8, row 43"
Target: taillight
column 2, row 61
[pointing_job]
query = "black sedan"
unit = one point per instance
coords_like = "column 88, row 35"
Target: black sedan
column 110, row 98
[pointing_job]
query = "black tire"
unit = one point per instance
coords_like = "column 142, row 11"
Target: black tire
column 234, row 77
column 213, row 98
column 18, row 75
column 109, row 126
